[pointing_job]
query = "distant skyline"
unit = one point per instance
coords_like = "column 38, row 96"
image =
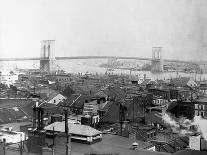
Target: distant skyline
column 104, row 27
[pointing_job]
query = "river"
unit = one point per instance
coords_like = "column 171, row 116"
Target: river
column 92, row 66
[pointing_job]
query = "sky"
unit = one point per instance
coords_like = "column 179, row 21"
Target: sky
column 104, row 27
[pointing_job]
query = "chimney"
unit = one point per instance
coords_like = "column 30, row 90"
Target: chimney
column 34, row 117
column 10, row 128
column 144, row 77
column 134, row 145
column 36, row 104
column 195, row 141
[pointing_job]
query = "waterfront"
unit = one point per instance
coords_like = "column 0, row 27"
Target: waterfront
column 93, row 66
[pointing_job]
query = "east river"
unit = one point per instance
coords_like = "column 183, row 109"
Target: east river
column 93, row 67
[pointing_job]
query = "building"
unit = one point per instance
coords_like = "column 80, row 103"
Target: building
column 10, row 136
column 180, row 93
column 81, row 133
column 200, row 107
column 76, row 103
column 189, row 109
column 147, row 83
column 183, row 82
column 183, row 108
column 55, row 98
column 189, row 152
column 203, row 87
column 159, row 91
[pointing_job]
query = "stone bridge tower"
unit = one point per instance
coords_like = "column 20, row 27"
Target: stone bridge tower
column 47, row 59
column 157, row 60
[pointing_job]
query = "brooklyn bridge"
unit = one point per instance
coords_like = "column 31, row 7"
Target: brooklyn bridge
column 47, row 58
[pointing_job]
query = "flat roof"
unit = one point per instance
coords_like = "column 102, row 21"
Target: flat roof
column 110, row 144
column 15, row 126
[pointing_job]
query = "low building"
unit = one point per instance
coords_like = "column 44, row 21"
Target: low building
column 183, row 82
column 76, row 103
column 81, row 133
column 56, row 98
column 167, row 141
column 147, row 83
column 154, row 118
column 10, row 136
column 190, row 152
column 159, row 91
column 180, row 93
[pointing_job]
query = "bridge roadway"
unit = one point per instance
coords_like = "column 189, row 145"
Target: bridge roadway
column 103, row 57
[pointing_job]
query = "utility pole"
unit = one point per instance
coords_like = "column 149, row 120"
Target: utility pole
column 21, row 148
column 120, row 118
column 133, row 109
column 34, row 84
column 4, row 146
column 53, row 141
column 122, row 111
column 68, row 143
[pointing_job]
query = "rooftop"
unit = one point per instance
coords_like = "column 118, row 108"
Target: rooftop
column 16, row 126
column 113, row 144
column 73, row 129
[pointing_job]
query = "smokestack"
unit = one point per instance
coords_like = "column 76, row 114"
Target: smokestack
column 41, row 118
column 38, row 118
column 144, row 77
column 34, row 117
column 66, row 122
column 195, row 141
column 36, row 104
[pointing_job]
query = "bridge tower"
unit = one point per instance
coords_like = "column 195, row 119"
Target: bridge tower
column 157, row 60
column 47, row 59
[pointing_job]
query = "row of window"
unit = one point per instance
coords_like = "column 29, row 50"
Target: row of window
column 198, row 106
column 95, row 120
column 64, row 79
column 59, row 100
column 199, row 113
column 160, row 101
column 151, row 135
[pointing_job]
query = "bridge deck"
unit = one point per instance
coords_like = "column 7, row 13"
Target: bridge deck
column 102, row 57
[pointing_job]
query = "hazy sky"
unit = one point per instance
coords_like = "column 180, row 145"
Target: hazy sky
column 104, row 27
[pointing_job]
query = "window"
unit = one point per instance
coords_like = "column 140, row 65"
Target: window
column 196, row 106
column 203, row 107
column 196, row 112
column 202, row 113
column 148, row 136
column 54, row 101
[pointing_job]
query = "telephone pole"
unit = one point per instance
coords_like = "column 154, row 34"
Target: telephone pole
column 68, row 143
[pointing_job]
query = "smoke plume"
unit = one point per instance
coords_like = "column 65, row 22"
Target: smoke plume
column 201, row 125
column 182, row 125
